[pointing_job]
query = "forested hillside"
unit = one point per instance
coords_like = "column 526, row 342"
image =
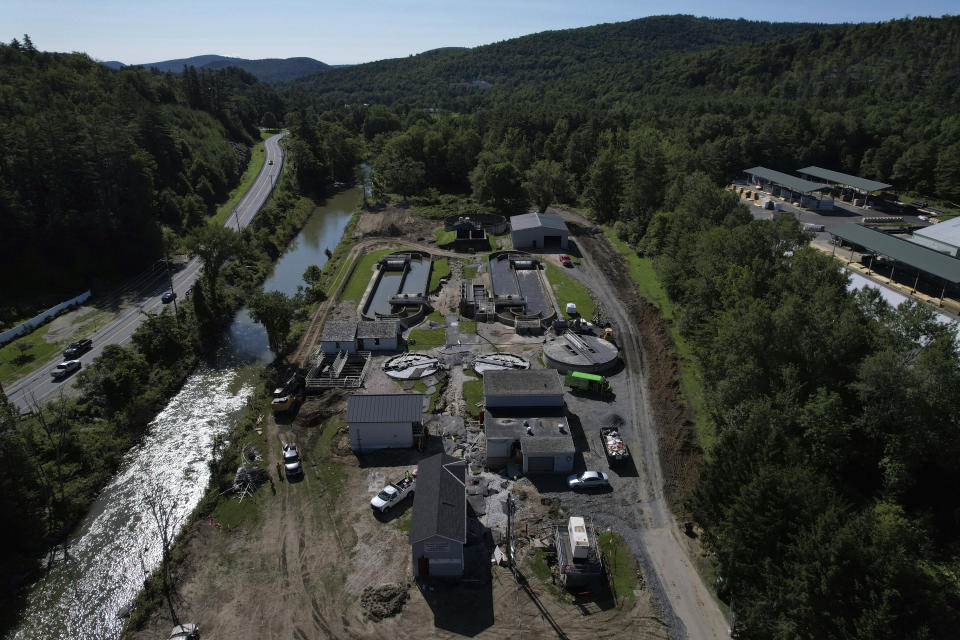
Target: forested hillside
column 444, row 77
column 879, row 100
column 264, row 69
column 96, row 162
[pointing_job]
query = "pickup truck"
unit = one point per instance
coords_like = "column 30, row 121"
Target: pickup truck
column 394, row 493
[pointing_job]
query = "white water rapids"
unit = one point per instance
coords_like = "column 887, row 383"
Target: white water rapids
column 118, row 540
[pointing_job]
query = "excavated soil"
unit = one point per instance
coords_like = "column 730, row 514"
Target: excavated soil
column 680, row 453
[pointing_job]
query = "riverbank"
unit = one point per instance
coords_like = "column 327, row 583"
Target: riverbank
column 173, row 347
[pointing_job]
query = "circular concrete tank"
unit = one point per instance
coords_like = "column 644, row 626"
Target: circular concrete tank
column 499, row 362
column 411, row 366
column 586, row 353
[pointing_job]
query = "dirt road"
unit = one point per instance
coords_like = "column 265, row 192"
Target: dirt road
column 653, row 532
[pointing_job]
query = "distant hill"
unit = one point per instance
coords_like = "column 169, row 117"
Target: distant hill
column 265, row 70
column 541, row 57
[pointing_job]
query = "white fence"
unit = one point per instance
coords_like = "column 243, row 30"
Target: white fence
column 38, row 320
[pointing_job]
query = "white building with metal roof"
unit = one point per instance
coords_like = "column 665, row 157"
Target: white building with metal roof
column 539, row 231
column 384, row 421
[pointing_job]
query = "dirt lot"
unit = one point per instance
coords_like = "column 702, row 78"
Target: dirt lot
column 314, row 554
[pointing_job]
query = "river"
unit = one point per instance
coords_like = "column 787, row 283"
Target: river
column 117, row 543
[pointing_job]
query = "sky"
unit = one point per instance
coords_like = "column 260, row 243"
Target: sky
column 349, row 32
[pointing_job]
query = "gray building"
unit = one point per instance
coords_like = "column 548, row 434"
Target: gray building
column 539, row 231
column 438, row 526
column 384, row 421
column 525, row 422
column 522, row 388
column 364, row 335
column 943, row 237
column 379, row 335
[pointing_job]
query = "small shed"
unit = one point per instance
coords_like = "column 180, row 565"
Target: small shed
column 339, row 336
column 378, row 335
column 438, row 525
column 539, row 231
column 522, row 388
column 384, row 421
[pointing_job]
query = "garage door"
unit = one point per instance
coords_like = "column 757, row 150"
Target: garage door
column 540, row 464
column 551, row 242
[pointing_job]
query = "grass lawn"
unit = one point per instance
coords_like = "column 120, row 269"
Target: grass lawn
column 469, row 273
column 257, row 158
column 496, row 242
column 362, row 272
column 427, row 338
column 468, row 326
column 648, row 285
column 620, row 565
column 437, row 317
column 440, row 270
column 444, row 237
column 568, row 290
column 28, row 352
column 472, row 394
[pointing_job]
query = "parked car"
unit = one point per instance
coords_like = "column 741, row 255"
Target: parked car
column 291, row 460
column 566, row 261
column 588, row 479
column 65, row 368
column 78, row 348
column 169, row 297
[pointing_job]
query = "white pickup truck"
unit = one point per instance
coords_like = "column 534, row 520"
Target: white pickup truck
column 394, row 493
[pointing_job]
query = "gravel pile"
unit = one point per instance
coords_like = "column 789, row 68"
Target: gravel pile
column 384, row 601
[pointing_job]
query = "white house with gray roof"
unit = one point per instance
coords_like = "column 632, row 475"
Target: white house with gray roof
column 539, row 231
column 384, row 421
column 364, row 335
column 438, row 525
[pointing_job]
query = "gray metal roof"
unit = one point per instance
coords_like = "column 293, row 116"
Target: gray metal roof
column 785, row 180
column 387, row 407
column 901, row 250
column 524, row 382
column 377, row 329
column 947, row 232
column 440, row 499
column 339, row 331
column 538, row 220
column 844, row 179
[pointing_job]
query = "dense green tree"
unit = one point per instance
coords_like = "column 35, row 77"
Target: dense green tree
column 214, row 244
column 501, row 186
column 274, row 310
column 545, row 183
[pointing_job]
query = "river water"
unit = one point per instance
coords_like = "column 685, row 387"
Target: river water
column 118, row 543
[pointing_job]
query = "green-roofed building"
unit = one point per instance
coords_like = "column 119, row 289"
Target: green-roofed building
column 798, row 190
column 904, row 252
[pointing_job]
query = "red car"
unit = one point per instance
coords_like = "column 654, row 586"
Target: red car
column 566, row 261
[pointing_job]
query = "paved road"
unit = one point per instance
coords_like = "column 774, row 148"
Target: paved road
column 39, row 387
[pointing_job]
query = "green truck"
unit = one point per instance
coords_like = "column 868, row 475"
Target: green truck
column 588, row 382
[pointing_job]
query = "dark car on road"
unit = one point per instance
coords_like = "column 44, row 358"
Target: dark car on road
column 78, row 348
column 169, row 297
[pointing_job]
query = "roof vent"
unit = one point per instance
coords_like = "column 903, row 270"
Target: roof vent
column 529, row 431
